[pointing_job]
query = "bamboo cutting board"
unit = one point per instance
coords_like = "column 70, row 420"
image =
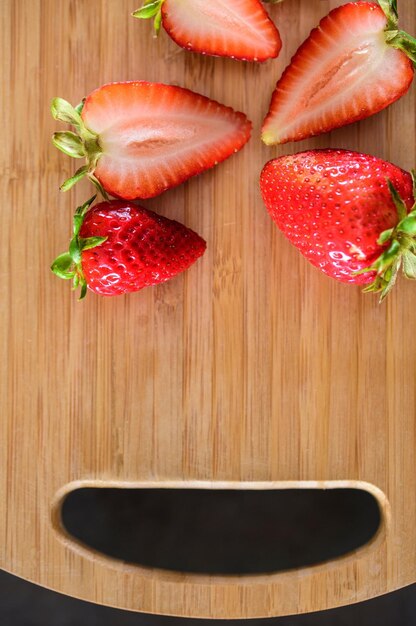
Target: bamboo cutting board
column 251, row 370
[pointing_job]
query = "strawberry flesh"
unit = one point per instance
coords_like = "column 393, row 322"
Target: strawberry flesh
column 141, row 249
column 240, row 29
column 344, row 72
column 333, row 205
column 154, row 137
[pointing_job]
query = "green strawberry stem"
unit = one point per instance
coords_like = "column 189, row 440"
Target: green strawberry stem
column 395, row 37
column 68, row 265
column 401, row 248
column 151, row 8
column 80, row 143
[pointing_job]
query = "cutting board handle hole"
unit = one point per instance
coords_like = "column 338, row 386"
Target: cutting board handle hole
column 221, row 531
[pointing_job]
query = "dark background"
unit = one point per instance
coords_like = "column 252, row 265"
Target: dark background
column 24, row 604
column 211, row 531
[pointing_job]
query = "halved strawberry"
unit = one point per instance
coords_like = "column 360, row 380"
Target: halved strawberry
column 353, row 65
column 118, row 247
column 141, row 138
column 240, row 29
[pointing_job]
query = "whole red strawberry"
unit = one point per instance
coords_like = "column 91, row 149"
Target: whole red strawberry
column 140, row 139
column 351, row 215
column 354, row 64
column 240, row 29
column 119, row 247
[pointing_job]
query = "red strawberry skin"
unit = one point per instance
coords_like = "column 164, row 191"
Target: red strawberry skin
column 141, row 249
column 154, row 136
column 240, row 29
column 344, row 72
column 333, row 205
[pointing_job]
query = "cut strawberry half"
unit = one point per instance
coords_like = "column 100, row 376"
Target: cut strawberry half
column 353, row 65
column 240, row 29
column 141, row 138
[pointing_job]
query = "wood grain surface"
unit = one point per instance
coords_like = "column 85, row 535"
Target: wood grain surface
column 250, row 370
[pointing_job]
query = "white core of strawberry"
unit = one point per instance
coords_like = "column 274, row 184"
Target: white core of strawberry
column 222, row 16
column 152, row 139
column 352, row 67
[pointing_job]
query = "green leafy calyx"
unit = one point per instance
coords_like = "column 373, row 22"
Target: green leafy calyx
column 400, row 251
column 394, row 36
column 68, row 265
column 151, row 9
column 80, row 143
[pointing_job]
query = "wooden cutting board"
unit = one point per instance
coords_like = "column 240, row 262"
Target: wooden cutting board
column 251, row 370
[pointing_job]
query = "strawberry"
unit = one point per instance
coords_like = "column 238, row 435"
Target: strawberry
column 118, row 247
column 141, row 138
column 353, row 65
column 240, row 29
column 351, row 215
